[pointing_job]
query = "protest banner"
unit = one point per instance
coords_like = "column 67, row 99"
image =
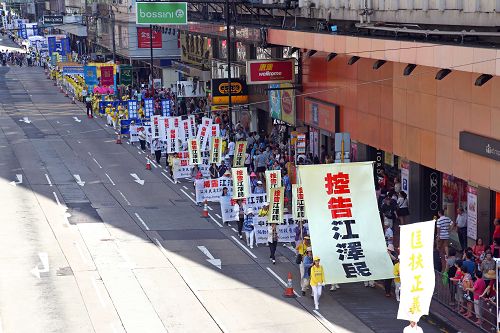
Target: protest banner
column 182, row 168
column 240, row 183
column 149, row 107
column 164, row 126
column 286, row 230
column 254, row 201
column 172, row 141
column 341, row 207
column 132, row 109
column 416, row 269
column 216, row 150
column 206, row 121
column 211, row 189
column 298, row 207
column 134, row 135
column 203, row 137
column 194, row 151
column 184, row 131
column 276, row 196
column 155, row 127
column 273, row 179
column 239, row 156
column 212, row 130
column 192, row 126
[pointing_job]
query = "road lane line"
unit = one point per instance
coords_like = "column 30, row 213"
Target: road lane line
column 90, row 154
column 80, row 251
column 57, row 199
column 139, row 152
column 187, row 195
column 244, row 247
column 234, row 230
column 185, row 187
column 192, row 193
column 218, row 215
column 48, row 180
column 210, row 207
column 101, row 300
column 142, row 221
column 128, row 203
column 328, row 325
column 217, row 222
column 100, row 167
column 290, row 248
column 152, row 163
column 168, row 178
column 111, row 180
column 280, row 279
column 162, row 249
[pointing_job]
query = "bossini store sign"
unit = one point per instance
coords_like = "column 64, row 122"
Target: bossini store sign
column 161, row 12
column 480, row 145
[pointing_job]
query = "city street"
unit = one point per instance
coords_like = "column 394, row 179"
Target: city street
column 86, row 246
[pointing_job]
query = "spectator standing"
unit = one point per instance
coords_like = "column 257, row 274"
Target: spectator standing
column 443, row 224
column 461, row 227
column 477, row 290
column 307, row 262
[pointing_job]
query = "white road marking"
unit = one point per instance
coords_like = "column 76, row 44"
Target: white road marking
column 48, row 180
column 210, row 208
column 78, row 141
column 290, row 248
column 234, row 230
column 79, row 181
column 57, row 121
column 142, row 221
column 152, row 163
column 139, row 152
column 57, row 199
column 111, row 180
column 162, row 249
column 244, row 247
column 80, row 251
column 128, row 203
column 128, row 142
column 68, row 131
column 137, row 179
column 217, row 222
column 100, row 167
column 90, row 154
column 187, row 195
column 218, row 215
column 101, row 300
column 185, row 187
column 211, row 259
column 44, row 259
column 168, row 178
column 329, row 326
column 280, row 279
column 192, row 193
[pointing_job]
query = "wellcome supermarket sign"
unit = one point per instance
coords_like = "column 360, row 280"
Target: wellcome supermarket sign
column 161, row 12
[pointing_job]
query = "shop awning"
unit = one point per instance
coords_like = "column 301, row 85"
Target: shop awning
column 74, row 29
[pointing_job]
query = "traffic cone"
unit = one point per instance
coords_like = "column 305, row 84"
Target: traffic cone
column 204, row 212
column 289, row 293
column 119, row 141
column 148, row 164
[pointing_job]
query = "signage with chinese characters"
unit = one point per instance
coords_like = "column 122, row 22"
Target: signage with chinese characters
column 298, row 206
column 166, row 107
column 342, row 211
column 472, row 212
column 254, row 201
column 155, row 127
column 322, row 115
column 416, row 270
column 480, row 145
column 270, row 71
column 194, row 151
column 149, row 107
column 216, row 150
column 220, row 91
column 211, row 189
column 173, row 145
column 132, row 108
column 276, row 196
column 273, row 179
column 144, row 39
column 240, row 183
column 240, row 154
column 182, row 168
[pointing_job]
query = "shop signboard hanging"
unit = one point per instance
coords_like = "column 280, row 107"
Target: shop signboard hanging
column 161, row 13
column 195, row 49
column 282, row 102
column 144, row 38
column 220, row 92
column 270, row 71
column 405, row 177
column 126, row 74
column 107, row 76
column 322, row 115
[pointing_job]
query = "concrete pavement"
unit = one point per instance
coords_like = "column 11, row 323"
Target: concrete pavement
column 125, row 257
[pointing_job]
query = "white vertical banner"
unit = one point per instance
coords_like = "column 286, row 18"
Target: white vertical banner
column 276, row 211
column 416, row 270
column 194, row 151
column 176, row 122
column 472, row 212
column 240, row 154
column 240, row 183
column 184, row 130
column 216, row 150
column 172, row 140
column 206, row 121
column 341, row 207
column 212, row 130
column 164, row 125
column 203, row 136
column 155, row 127
column 298, row 207
column 405, row 178
column 273, row 180
column 192, row 126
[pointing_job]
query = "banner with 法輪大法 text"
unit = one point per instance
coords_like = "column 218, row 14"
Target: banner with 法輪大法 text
column 341, row 207
column 240, row 183
column 416, row 270
column 216, row 150
column 254, row 201
column 211, row 189
column 182, row 168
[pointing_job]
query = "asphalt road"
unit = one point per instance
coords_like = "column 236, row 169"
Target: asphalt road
column 85, row 248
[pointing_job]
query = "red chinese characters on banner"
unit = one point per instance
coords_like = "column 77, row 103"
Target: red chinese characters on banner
column 240, row 188
column 176, row 122
column 107, row 76
column 211, row 183
column 183, row 154
column 339, row 206
column 143, row 39
column 273, row 180
column 194, row 150
column 300, row 203
column 275, row 212
column 203, row 131
column 214, row 130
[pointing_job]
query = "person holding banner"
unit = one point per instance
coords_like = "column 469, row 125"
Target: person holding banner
column 239, row 208
column 317, row 281
column 272, row 239
column 156, row 146
column 248, row 226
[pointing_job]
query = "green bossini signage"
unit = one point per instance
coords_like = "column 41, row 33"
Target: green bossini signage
column 161, row 12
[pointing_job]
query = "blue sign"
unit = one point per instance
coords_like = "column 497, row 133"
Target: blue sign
column 149, row 107
column 66, row 46
column 90, row 76
column 125, row 124
column 166, row 107
column 23, row 32
column 104, row 104
column 52, row 45
column 73, row 70
column 132, row 109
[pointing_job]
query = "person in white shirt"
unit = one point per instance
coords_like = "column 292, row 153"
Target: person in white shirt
column 230, row 147
column 461, row 227
column 413, row 328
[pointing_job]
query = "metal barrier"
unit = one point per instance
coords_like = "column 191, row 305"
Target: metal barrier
column 452, row 296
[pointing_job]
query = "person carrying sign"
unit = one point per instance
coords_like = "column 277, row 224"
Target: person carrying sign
column 272, row 239
column 248, row 226
column 240, row 209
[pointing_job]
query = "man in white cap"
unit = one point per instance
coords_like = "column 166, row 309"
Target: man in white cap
column 259, row 189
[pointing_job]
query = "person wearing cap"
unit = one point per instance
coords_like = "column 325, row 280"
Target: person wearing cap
column 259, row 189
column 248, row 227
column 317, row 280
column 253, row 181
column 413, row 328
column 307, row 263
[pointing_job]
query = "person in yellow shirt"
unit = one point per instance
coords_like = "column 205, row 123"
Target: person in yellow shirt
column 264, row 210
column 317, row 281
column 397, row 280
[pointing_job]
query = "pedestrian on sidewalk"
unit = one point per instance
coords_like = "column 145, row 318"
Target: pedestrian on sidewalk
column 443, row 224
column 272, row 239
column 413, row 328
column 307, row 263
column 388, row 282
column 248, row 226
column 317, row 281
column 461, row 226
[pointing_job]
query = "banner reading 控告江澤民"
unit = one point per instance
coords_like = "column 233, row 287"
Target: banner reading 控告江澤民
column 276, row 209
column 173, row 142
column 416, row 270
column 254, row 201
column 344, row 224
column 298, row 207
column 240, row 183
column 239, row 154
column 211, row 189
column 273, row 179
column 216, row 150
column 194, row 151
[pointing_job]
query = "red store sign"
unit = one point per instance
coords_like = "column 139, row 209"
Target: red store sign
column 270, row 71
column 143, row 38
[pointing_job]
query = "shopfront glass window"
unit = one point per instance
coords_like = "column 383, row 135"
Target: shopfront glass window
column 454, row 194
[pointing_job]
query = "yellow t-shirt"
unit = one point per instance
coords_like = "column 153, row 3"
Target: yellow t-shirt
column 396, row 273
column 317, row 275
column 302, row 248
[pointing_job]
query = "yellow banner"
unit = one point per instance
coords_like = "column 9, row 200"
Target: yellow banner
column 273, row 180
column 239, row 154
column 346, row 233
column 216, row 150
column 298, row 207
column 276, row 205
column 416, row 270
column 194, row 151
column 240, row 183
